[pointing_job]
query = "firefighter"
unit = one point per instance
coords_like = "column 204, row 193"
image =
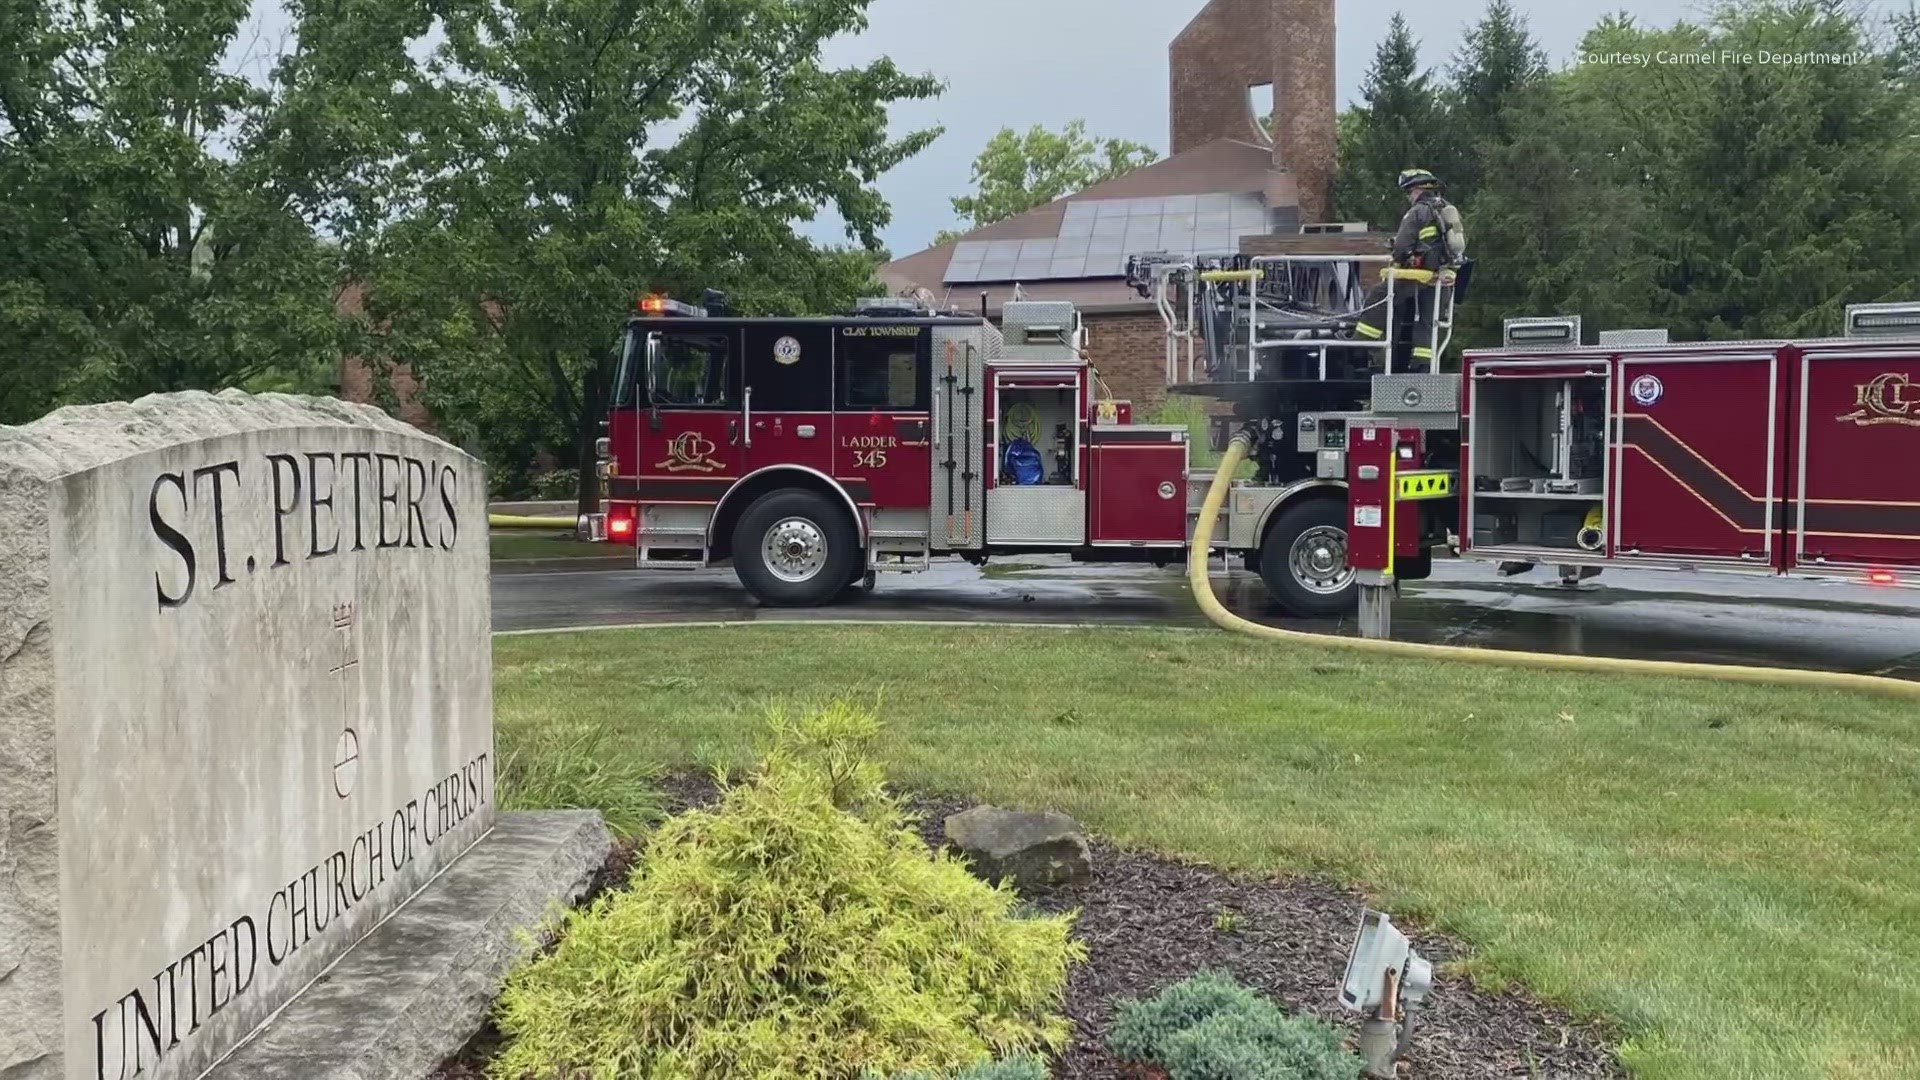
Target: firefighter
column 1426, row 250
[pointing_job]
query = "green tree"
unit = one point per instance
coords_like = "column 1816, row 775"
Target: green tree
column 1398, row 127
column 1715, row 200
column 548, row 163
column 1497, row 68
column 1016, row 173
column 144, row 245
column 1794, row 183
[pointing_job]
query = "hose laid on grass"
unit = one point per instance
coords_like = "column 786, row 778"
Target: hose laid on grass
column 1197, row 576
column 509, row 521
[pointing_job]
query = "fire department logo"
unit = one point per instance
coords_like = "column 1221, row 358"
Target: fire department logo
column 691, row 452
column 1648, row 390
column 787, row 350
column 1892, row 398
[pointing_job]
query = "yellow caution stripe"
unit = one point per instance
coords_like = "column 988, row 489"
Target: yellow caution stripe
column 1426, row 484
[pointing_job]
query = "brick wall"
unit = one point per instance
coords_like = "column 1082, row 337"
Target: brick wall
column 1305, row 128
column 357, row 384
column 1130, row 350
column 1234, row 45
column 1222, row 52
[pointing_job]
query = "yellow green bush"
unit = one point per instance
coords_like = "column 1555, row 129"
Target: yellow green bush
column 799, row 930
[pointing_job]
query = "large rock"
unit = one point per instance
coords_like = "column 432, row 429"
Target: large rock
column 1035, row 850
column 245, row 713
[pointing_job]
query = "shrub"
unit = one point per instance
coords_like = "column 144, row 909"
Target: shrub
column 801, row 929
column 1210, row 1027
column 1024, row 1067
column 558, row 484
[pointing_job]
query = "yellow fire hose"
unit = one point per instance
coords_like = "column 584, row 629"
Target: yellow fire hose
column 509, row 521
column 1197, row 563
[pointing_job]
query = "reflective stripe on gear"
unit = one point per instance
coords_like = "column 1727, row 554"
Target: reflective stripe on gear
column 1370, row 331
column 1429, row 232
column 1421, row 352
column 1409, row 273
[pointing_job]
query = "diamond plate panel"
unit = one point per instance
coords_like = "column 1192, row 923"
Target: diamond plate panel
column 959, row 435
column 1017, row 316
column 1396, row 395
column 1036, row 515
column 1626, row 339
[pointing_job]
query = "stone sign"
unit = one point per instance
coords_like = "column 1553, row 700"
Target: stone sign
column 245, row 713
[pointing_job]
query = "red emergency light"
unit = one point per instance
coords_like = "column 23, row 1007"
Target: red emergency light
column 1882, row 577
column 657, row 304
column 620, row 524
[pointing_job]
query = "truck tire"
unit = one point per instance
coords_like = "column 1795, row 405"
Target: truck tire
column 1304, row 559
column 795, row 549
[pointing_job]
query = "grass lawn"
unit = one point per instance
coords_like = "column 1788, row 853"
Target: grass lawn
column 1732, row 873
column 542, row 545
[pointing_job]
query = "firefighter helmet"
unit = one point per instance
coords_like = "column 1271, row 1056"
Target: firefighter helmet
column 1412, row 178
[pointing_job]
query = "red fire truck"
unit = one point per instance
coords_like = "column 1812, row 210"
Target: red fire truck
column 815, row 453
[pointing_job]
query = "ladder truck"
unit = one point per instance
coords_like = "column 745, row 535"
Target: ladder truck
column 815, row 454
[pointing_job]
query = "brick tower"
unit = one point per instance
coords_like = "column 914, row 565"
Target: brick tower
column 1235, row 45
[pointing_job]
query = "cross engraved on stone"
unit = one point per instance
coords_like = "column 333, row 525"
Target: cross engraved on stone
column 346, row 753
column 346, row 762
column 343, row 617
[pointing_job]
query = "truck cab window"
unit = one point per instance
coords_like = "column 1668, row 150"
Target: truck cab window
column 690, row 370
column 882, row 374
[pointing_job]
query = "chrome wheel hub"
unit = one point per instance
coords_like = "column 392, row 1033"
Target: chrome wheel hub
column 1318, row 560
column 795, row 550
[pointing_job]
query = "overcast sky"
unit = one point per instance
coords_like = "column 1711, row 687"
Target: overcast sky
column 1015, row 63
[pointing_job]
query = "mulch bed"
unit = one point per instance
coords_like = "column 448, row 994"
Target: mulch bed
column 1150, row 921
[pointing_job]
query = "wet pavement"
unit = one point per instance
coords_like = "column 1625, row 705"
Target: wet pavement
column 1649, row 614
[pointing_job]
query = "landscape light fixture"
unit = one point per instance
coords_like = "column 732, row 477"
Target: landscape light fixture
column 1385, row 980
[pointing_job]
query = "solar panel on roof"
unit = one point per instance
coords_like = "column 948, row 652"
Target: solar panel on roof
column 1097, row 235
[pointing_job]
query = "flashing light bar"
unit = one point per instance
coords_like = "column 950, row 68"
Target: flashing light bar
column 1883, row 320
column 660, row 305
column 1556, row 330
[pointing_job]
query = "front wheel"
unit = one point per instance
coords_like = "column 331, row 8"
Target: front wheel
column 1304, row 559
column 795, row 549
